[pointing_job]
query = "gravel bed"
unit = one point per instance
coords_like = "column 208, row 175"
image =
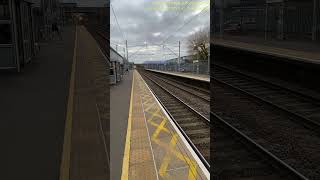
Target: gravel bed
column 270, row 127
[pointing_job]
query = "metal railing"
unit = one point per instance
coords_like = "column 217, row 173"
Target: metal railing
column 200, row 67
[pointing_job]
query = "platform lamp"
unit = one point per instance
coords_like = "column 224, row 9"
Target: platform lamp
column 209, row 58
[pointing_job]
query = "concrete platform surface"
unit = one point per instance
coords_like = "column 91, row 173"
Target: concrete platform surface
column 33, row 112
column 119, row 112
column 273, row 49
column 86, row 138
column 155, row 149
column 200, row 77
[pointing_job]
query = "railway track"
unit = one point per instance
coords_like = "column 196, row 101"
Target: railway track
column 236, row 156
column 194, row 126
column 248, row 159
column 204, row 93
column 305, row 108
column 255, row 108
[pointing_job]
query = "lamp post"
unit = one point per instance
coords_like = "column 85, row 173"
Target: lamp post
column 195, row 47
column 315, row 27
column 266, row 23
column 221, row 16
column 209, row 59
column 179, row 59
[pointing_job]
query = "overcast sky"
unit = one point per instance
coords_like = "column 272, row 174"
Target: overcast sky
column 152, row 22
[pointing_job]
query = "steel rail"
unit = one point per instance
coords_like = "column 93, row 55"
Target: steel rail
column 313, row 100
column 310, row 124
column 259, row 147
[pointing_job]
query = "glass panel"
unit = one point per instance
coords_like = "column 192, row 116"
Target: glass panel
column 5, row 34
column 4, row 10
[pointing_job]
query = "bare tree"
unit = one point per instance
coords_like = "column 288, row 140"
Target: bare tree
column 199, row 44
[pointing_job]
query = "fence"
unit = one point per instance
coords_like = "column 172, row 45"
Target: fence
column 298, row 19
column 200, row 67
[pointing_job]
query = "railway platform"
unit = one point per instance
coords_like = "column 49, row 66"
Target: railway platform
column 33, row 108
column 85, row 152
column 55, row 112
column 199, row 77
column 299, row 51
column 119, row 112
column 154, row 147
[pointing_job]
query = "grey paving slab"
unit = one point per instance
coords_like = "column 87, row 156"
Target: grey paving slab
column 119, row 112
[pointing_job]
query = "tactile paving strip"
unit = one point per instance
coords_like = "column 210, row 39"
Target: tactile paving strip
column 141, row 164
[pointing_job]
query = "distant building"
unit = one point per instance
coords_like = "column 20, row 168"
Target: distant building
column 23, row 24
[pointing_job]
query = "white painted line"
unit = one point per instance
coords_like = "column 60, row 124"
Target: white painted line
column 179, row 168
column 103, row 137
column 194, row 155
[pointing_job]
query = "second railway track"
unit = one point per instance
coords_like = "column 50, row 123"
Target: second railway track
column 237, row 156
column 261, row 111
column 306, row 108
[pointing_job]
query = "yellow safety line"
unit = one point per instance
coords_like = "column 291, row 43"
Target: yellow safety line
column 65, row 161
column 157, row 125
column 159, row 129
column 154, row 114
column 167, row 158
column 125, row 163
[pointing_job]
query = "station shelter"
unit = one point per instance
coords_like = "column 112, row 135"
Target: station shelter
column 116, row 66
column 16, row 33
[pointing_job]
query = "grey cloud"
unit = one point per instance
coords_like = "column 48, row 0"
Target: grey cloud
column 139, row 24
